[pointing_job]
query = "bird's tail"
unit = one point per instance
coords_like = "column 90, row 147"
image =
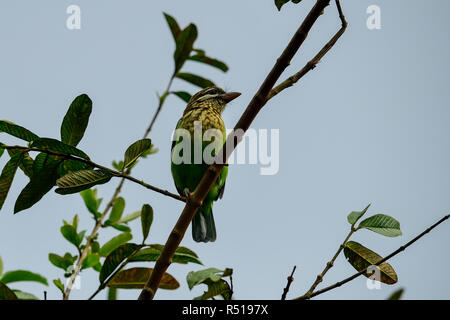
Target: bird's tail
column 203, row 226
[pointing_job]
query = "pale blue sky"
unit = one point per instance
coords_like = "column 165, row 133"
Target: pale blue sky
column 368, row 125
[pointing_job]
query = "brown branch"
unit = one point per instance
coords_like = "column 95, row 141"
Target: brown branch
column 196, row 198
column 312, row 63
column 290, row 279
column 402, row 248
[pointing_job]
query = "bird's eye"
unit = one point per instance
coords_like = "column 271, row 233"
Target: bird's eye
column 213, row 91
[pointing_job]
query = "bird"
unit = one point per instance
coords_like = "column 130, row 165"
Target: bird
column 206, row 106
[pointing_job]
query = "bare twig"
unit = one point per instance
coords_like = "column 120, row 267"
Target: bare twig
column 312, row 63
column 402, row 248
column 160, row 105
column 290, row 279
column 330, row 263
column 256, row 104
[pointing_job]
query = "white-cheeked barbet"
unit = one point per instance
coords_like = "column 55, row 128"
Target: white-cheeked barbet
column 205, row 106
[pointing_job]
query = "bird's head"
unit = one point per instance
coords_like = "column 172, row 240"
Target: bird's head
column 212, row 97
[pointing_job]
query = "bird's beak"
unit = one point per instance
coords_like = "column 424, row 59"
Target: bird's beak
column 229, row 96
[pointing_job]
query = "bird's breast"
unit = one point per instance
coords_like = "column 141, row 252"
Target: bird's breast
column 209, row 119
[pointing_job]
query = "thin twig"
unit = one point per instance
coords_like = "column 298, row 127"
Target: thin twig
column 330, row 263
column 290, row 279
column 256, row 104
column 312, row 63
column 95, row 165
column 402, row 248
column 160, row 105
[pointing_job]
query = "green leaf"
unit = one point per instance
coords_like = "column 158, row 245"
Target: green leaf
column 69, row 166
column 146, row 220
column 97, row 267
column 58, row 146
column 354, row 216
column 184, row 45
column 130, row 217
column 146, row 254
column 396, row 295
column 76, row 120
column 90, row 200
column 114, row 243
column 95, row 246
column 195, row 278
column 185, row 96
column 6, row 293
column 209, row 61
column 173, row 25
column 1, row 266
column 26, row 165
column 22, row 275
column 59, row 285
column 182, row 255
column 80, row 180
column 71, row 235
column 118, row 165
column 219, row 288
column 136, row 150
column 361, row 258
column 60, row 262
column 1, row 150
column 17, row 131
column 24, row 295
column 45, row 173
column 90, row 261
column 117, row 210
column 136, row 278
column 195, row 79
column 75, row 221
column 115, row 258
column 7, row 176
column 280, row 3
column 382, row 224
column 120, row 227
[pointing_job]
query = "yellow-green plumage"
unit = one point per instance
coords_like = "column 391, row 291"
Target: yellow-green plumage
column 205, row 106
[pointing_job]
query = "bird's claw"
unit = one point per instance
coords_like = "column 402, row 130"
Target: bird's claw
column 187, row 193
